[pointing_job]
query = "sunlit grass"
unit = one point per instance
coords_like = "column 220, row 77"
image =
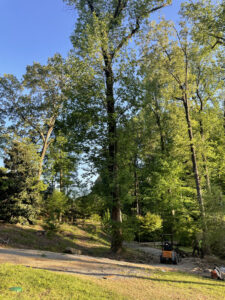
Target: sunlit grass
column 160, row 285
column 39, row 284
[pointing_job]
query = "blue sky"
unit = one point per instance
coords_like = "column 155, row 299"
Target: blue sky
column 33, row 30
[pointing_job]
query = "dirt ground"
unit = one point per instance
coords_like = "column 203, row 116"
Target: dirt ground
column 100, row 267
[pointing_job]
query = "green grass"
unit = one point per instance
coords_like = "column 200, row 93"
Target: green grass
column 39, row 284
column 88, row 238
column 160, row 285
column 157, row 285
column 191, row 284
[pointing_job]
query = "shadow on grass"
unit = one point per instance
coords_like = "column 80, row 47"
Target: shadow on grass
column 105, row 275
column 95, row 233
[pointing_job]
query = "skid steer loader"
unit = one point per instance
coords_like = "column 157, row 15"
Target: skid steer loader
column 168, row 255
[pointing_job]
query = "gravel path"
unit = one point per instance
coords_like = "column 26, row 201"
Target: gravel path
column 86, row 265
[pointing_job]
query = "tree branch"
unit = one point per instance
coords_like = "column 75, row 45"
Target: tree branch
column 157, row 8
column 91, row 6
column 120, row 6
column 126, row 38
column 219, row 38
column 134, row 30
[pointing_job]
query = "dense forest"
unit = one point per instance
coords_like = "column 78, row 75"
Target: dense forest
column 139, row 103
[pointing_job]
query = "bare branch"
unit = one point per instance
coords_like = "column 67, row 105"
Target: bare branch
column 179, row 39
column 157, row 8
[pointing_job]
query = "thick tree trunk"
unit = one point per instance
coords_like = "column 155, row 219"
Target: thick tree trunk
column 194, row 163
column 116, row 216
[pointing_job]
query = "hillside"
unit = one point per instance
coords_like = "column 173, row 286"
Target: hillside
column 86, row 237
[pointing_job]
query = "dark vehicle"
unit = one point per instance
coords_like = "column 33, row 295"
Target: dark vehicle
column 168, row 255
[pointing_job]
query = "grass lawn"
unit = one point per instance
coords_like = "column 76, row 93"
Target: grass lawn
column 39, row 284
column 167, row 286
column 158, row 285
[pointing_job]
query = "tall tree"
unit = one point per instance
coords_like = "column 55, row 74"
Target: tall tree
column 177, row 59
column 103, row 30
column 35, row 103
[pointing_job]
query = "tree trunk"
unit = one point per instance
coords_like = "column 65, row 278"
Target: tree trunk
column 194, row 163
column 61, row 180
column 204, row 158
column 43, row 152
column 205, row 164
column 224, row 115
column 116, row 216
column 136, row 188
column 159, row 124
column 162, row 142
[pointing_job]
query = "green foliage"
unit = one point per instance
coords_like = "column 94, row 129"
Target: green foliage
column 61, row 163
column 55, row 207
column 106, row 222
column 130, row 227
column 148, row 225
column 20, row 188
column 86, row 206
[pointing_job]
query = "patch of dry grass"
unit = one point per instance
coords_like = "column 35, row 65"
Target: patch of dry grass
column 165, row 286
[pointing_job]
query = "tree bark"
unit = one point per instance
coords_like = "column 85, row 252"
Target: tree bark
column 44, row 149
column 205, row 164
column 116, row 216
column 136, row 185
column 194, row 162
column 61, row 180
column 224, row 115
column 159, row 124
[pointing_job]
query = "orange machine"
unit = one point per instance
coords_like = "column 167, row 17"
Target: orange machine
column 168, row 255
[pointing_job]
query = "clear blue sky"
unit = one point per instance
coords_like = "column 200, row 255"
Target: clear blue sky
column 33, row 30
